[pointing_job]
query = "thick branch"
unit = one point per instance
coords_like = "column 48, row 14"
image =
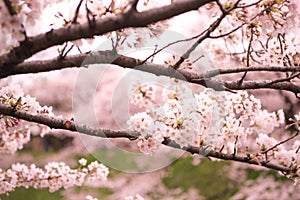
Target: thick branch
column 205, row 79
column 87, row 30
column 100, row 57
column 56, row 123
column 110, row 57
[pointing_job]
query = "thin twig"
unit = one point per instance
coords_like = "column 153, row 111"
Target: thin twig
column 285, row 79
column 172, row 43
column 248, row 57
column 297, row 150
column 280, row 143
column 74, row 21
column 10, row 7
column 208, row 31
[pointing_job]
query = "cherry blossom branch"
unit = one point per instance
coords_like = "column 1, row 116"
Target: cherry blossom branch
column 247, row 85
column 280, row 143
column 172, row 43
column 207, row 33
column 285, row 79
column 244, row 23
column 288, row 86
column 210, row 30
column 73, row 31
column 267, row 68
column 110, row 57
column 58, row 123
column 54, row 175
column 100, row 57
column 243, row 159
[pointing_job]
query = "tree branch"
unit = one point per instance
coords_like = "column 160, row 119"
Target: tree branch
column 280, row 143
column 204, row 79
column 246, row 85
column 110, row 57
column 207, row 33
column 56, row 123
column 100, row 57
column 87, row 30
column 267, row 68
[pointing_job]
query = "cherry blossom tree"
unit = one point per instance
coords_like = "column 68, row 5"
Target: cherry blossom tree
column 204, row 103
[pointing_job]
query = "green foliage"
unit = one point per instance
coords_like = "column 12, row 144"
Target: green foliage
column 101, row 192
column 32, row 194
column 253, row 174
column 105, row 191
column 209, row 178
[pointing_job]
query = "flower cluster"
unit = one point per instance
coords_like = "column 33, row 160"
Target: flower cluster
column 222, row 121
column 142, row 95
column 186, row 64
column 174, row 119
column 285, row 155
column 16, row 132
column 208, row 118
column 97, row 10
column 263, row 17
column 24, row 15
column 13, row 25
column 263, row 32
column 54, row 175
